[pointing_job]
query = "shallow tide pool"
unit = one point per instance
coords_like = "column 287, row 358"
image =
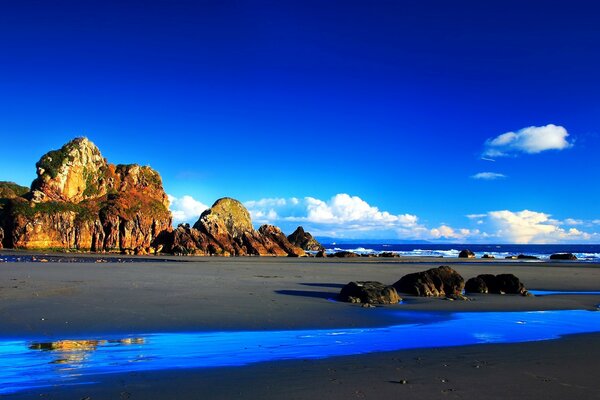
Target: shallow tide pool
column 27, row 364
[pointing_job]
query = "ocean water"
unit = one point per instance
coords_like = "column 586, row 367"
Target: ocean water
column 584, row 252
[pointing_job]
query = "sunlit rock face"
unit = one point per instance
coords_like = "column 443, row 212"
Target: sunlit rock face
column 79, row 201
column 226, row 229
column 304, row 240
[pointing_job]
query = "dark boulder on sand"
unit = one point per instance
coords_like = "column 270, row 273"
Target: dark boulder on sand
column 466, row 254
column 435, row 282
column 369, row 292
column 344, row 254
column 526, row 257
column 497, row 284
column 388, row 254
column 488, row 256
column 563, row 256
column 321, row 254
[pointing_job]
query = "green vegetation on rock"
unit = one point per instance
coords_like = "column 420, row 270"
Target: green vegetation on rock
column 9, row 190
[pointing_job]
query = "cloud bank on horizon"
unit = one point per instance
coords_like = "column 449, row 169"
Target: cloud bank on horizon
column 346, row 216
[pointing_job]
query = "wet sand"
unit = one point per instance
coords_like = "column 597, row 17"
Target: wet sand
column 54, row 300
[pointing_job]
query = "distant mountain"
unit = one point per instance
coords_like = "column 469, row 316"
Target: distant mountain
column 331, row 240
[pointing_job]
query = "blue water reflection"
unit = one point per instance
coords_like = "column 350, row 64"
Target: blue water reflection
column 27, row 365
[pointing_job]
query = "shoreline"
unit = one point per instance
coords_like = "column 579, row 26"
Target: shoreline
column 58, row 300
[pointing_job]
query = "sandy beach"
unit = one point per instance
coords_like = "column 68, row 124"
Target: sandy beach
column 86, row 300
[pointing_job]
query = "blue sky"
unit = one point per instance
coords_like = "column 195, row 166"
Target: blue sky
column 354, row 119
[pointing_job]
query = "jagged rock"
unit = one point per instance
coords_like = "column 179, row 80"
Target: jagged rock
column 304, row 240
column 563, row 256
column 489, row 256
column 510, row 257
column 388, row 254
column 466, row 254
column 497, row 284
column 274, row 233
column 321, row 254
column 369, row 292
column 435, row 282
column 344, row 254
column 226, row 229
column 79, row 201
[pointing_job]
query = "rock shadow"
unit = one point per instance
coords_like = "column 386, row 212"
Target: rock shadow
column 308, row 293
column 330, row 285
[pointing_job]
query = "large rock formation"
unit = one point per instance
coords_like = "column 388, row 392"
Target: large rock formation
column 435, row 282
column 226, row 229
column 304, row 240
column 369, row 292
column 79, row 201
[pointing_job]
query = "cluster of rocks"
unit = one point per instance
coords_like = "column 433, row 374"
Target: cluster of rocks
column 226, row 229
column 81, row 202
column 557, row 256
column 442, row 281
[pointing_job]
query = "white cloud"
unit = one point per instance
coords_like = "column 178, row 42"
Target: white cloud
column 530, row 140
column 532, row 227
column 476, row 216
column 186, row 209
column 488, row 176
column 573, row 222
column 446, row 232
column 345, row 216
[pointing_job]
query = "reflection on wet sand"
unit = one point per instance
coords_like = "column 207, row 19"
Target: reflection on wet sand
column 74, row 352
column 26, row 365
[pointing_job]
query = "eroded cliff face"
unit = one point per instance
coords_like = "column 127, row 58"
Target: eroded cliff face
column 79, row 201
column 226, row 229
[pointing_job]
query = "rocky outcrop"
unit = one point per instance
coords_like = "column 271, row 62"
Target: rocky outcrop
column 79, row 201
column 466, row 254
column 1, row 237
column 497, row 284
column 369, row 292
column 321, row 254
column 488, row 256
column 73, row 173
column 563, row 256
column 304, row 240
column 275, row 235
column 226, row 229
column 435, row 282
